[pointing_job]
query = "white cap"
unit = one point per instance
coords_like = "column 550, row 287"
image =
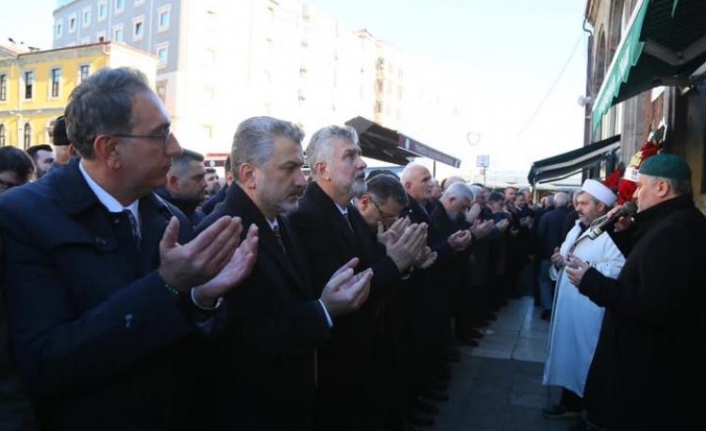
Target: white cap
column 599, row 191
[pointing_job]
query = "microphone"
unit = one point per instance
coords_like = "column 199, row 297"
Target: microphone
column 604, row 223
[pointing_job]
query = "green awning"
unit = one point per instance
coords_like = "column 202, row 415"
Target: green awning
column 566, row 164
column 664, row 43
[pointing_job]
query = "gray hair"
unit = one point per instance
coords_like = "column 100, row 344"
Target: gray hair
column 319, row 149
column 254, row 140
column 678, row 187
column 477, row 190
column 561, row 199
column 182, row 162
column 102, row 104
column 408, row 169
column 459, row 190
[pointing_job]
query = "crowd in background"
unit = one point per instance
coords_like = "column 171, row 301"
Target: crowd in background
column 143, row 293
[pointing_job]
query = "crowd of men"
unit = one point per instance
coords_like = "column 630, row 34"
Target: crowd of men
column 141, row 294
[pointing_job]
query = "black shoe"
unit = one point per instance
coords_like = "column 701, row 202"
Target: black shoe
column 421, row 420
column 558, row 411
column 546, row 315
column 467, row 342
column 426, row 407
column 436, row 396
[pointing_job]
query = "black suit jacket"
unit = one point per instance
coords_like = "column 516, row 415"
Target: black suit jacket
column 329, row 241
column 92, row 327
column 276, row 323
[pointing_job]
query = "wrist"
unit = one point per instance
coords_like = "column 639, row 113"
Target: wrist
column 204, row 302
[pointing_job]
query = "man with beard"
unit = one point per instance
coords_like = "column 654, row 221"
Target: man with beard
column 333, row 231
column 576, row 324
column 281, row 314
column 43, row 156
column 186, row 185
column 649, row 369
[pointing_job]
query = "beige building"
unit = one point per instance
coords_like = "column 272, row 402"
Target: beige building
column 224, row 61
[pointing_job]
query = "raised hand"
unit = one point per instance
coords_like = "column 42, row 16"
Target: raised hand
column 233, row 273
column 394, row 232
column 482, row 229
column 201, row 259
column 460, row 240
column 404, row 251
column 345, row 290
column 575, row 269
column 425, row 258
column 557, row 258
column 473, row 213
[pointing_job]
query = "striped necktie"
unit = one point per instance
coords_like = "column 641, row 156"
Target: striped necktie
column 136, row 235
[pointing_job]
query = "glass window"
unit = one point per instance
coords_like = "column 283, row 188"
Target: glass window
column 55, row 82
column 3, row 88
column 72, row 23
column 102, row 10
column 119, row 5
column 118, row 33
column 83, row 72
column 163, row 54
column 2, row 135
column 27, row 141
column 163, row 18
column 86, row 21
column 59, row 29
column 138, row 28
column 29, row 84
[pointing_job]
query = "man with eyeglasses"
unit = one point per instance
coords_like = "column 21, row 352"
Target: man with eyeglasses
column 103, row 281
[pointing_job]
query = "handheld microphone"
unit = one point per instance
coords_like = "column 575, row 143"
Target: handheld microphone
column 604, row 223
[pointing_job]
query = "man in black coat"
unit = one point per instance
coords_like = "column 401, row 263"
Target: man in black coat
column 649, row 370
column 97, row 281
column 333, row 232
column 279, row 316
column 186, row 185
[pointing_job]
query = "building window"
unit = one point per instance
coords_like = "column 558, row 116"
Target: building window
column 27, row 137
column 119, row 6
column 100, row 36
column 72, row 23
column 3, row 88
column 55, row 81
column 2, row 135
column 59, row 28
column 163, row 18
column 29, row 84
column 102, row 10
column 163, row 54
column 86, row 20
column 138, row 28
column 84, row 71
column 118, row 33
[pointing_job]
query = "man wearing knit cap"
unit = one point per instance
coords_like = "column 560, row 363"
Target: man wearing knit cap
column 576, row 321
column 649, row 369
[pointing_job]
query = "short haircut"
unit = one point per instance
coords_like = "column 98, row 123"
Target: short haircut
column 15, row 160
column 561, row 199
column 375, row 172
column 58, row 135
column 459, row 190
column 385, row 187
column 320, row 148
column 34, row 150
column 680, row 187
column 495, row 196
column 254, row 140
column 102, row 104
column 227, row 164
column 182, row 162
column 210, row 170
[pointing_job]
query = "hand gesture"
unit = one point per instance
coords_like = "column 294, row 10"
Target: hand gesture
column 460, row 240
column 557, row 258
column 473, row 213
column 202, row 258
column 575, row 269
column 233, row 274
column 394, row 232
column 623, row 222
column 526, row 221
column 425, row 258
column 502, row 225
column 482, row 229
column 404, row 251
column 346, row 291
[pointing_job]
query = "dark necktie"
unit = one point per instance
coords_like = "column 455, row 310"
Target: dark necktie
column 136, row 235
column 278, row 236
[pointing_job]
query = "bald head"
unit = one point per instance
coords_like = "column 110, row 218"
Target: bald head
column 416, row 180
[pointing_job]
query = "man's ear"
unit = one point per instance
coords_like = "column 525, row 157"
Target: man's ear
column 321, row 171
column 246, row 175
column 172, row 181
column 106, row 150
column 365, row 202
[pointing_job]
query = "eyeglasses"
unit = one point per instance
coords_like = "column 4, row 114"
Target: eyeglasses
column 164, row 136
column 383, row 217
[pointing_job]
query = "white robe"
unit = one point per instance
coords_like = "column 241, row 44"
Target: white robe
column 576, row 320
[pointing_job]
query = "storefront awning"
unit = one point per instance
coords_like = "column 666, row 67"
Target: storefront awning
column 569, row 163
column 387, row 145
column 664, row 43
